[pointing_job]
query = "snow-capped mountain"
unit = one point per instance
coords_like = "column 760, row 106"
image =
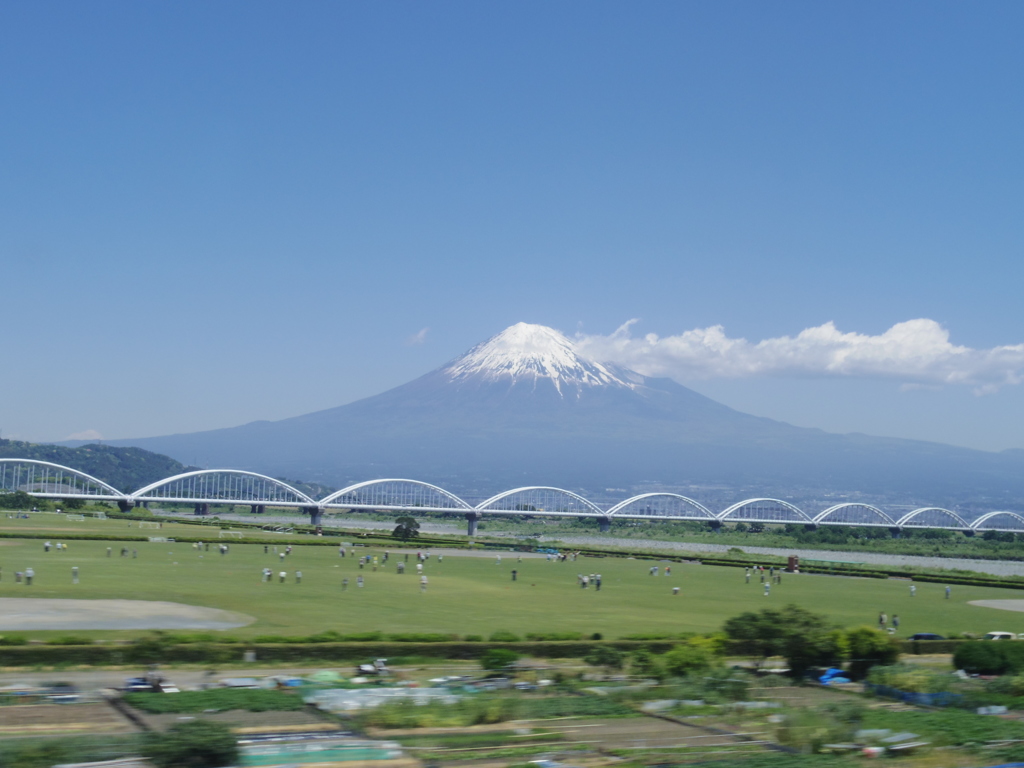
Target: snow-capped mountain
column 524, row 408
column 534, row 354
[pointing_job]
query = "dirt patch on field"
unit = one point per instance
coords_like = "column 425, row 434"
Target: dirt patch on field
column 20, row 613
column 1002, row 605
column 66, row 719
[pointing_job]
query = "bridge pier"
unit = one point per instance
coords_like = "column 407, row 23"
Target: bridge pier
column 124, row 505
column 472, row 518
column 604, row 524
column 316, row 516
column 201, row 509
column 257, row 509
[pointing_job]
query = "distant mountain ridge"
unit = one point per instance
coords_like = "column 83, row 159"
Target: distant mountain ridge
column 125, row 468
column 524, row 408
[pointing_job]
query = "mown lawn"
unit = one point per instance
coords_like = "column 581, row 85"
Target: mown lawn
column 466, row 595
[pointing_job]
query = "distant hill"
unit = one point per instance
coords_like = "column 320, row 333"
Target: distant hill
column 127, row 469
column 523, row 408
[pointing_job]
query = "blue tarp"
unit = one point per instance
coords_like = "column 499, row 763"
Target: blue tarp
column 923, row 699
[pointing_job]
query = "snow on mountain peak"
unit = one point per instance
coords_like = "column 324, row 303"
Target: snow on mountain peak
column 527, row 352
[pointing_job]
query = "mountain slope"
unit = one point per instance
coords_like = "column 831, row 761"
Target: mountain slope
column 124, row 468
column 524, row 408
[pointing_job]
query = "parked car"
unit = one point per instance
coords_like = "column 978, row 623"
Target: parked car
column 926, row 636
column 1000, row 636
column 62, row 693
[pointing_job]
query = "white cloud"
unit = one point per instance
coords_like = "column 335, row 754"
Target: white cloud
column 89, row 434
column 418, row 338
column 915, row 352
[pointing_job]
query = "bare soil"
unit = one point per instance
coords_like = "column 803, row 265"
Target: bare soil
column 1002, row 605
column 21, row 613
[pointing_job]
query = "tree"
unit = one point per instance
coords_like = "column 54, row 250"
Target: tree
column 806, row 639
column 74, row 503
column 406, row 529
column 17, row 500
column 498, row 659
column 607, row 656
column 646, row 664
column 868, row 647
column 694, row 655
column 194, row 744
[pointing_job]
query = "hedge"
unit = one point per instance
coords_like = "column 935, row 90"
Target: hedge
column 918, row 647
column 987, row 657
column 150, row 652
column 969, row 581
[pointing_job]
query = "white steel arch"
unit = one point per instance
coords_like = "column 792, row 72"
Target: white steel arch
column 224, row 486
column 395, row 493
column 999, row 521
column 541, row 499
column 764, row 511
column 49, row 480
column 854, row 513
column 661, row 506
column 933, row 517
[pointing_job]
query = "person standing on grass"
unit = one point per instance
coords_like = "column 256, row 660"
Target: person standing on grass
column 948, row 590
column 895, row 621
column 359, row 582
column 748, row 575
column 29, row 574
column 283, row 575
column 74, row 574
column 913, row 590
column 298, row 577
column 423, row 583
column 882, row 620
column 344, row 584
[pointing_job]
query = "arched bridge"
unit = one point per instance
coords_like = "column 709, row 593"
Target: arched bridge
column 203, row 488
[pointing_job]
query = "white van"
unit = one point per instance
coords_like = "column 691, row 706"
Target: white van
column 1000, row 636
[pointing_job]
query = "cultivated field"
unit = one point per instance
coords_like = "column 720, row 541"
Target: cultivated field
column 465, row 595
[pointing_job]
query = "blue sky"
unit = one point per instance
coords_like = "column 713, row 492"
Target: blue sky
column 212, row 213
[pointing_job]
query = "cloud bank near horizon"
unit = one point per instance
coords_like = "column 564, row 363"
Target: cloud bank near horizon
column 916, row 352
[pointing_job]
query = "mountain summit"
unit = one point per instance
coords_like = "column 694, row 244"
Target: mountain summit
column 523, row 408
column 532, row 355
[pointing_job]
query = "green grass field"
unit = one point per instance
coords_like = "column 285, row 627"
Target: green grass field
column 466, row 594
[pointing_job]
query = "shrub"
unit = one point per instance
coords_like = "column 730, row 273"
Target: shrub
column 985, row 657
column 606, row 656
column 421, row 637
column 645, row 664
column 553, row 636
column 195, row 744
column 695, row 655
column 504, row 636
column 70, row 640
column 497, row 659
